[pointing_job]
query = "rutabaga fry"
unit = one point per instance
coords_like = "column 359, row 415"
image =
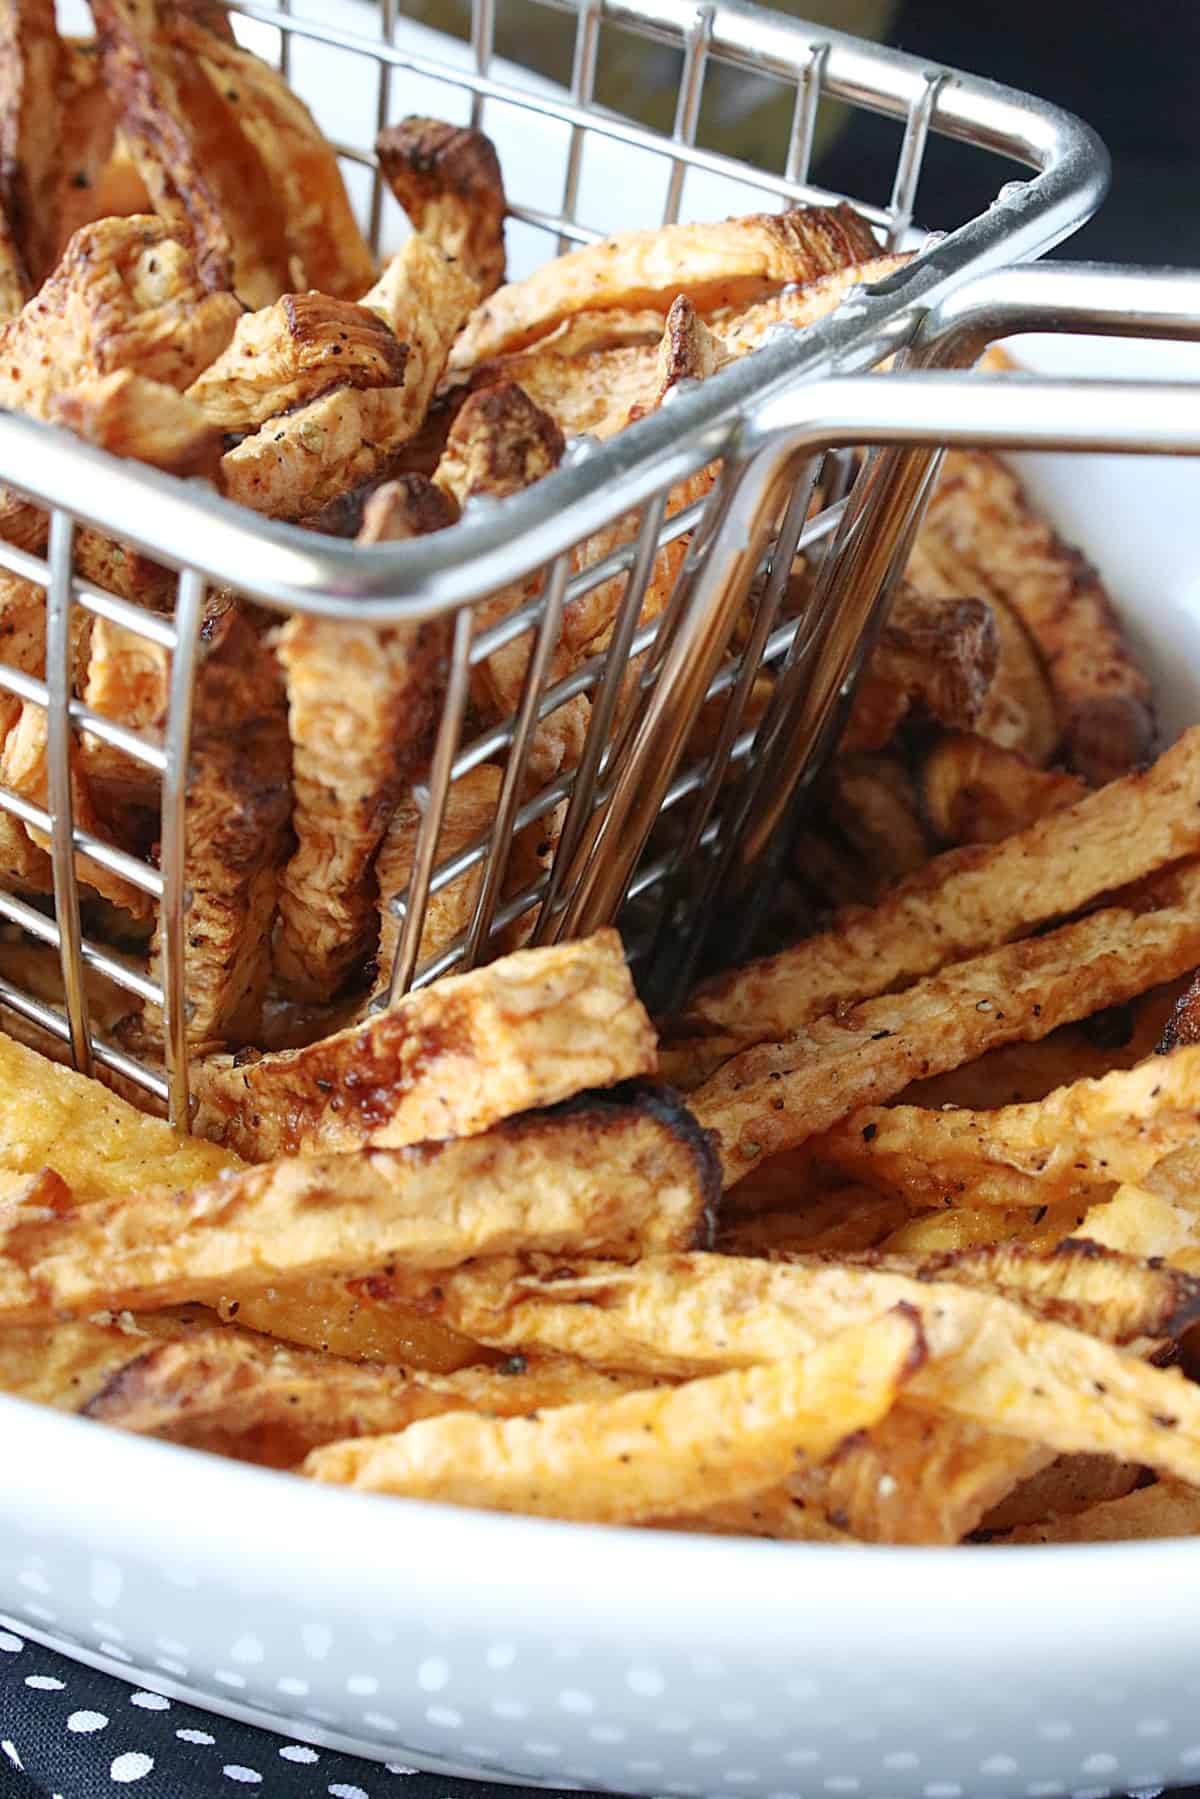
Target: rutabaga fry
column 713, row 264
column 448, row 1060
column 965, row 901
column 777, row 1095
column 447, row 178
column 1092, row 1132
column 31, row 131
column 1166, row 1509
column 229, row 1383
column 357, row 1319
column 652, row 1455
column 361, row 705
column 992, row 1362
column 972, row 791
column 603, row 1174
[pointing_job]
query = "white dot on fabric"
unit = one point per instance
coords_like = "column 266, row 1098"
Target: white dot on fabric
column 1101, row 1763
column 316, row 1639
column 169, row 1665
column 116, row 1653
column 998, row 1764
column 363, row 1685
column 247, row 1776
column 340, row 1791
column 501, row 1655
column 444, row 1716
column 298, row 1752
column 646, row 1681
column 9, row 1644
column 150, row 1702
column 288, row 1683
column 105, row 1582
column 10, row 1749
column 247, row 1649
column 433, row 1674
column 572, row 1700
column 398, row 1768
column 195, row 1736
column 45, row 1683
column 228, row 1678
column 85, row 1722
column 131, row 1766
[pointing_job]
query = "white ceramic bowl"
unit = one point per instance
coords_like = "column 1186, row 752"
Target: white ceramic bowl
column 475, row 1643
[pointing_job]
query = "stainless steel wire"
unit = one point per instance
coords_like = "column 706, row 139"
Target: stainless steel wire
column 637, row 762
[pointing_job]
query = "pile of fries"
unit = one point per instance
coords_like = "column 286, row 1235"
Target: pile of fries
column 893, row 1236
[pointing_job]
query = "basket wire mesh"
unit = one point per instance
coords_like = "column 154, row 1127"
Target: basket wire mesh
column 635, row 769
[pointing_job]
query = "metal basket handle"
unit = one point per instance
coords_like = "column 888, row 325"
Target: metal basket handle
column 917, row 416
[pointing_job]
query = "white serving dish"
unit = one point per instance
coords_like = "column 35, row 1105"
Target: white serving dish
column 468, row 1642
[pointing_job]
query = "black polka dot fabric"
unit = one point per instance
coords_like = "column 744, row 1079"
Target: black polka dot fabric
column 67, row 1732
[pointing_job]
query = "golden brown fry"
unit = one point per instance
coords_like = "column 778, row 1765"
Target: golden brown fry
column 933, row 658
column 324, row 247
column 31, row 131
column 359, row 1319
column 1092, row 1132
column 230, row 1385
column 292, row 352
column 916, row 1478
column 774, row 1096
column 775, row 1514
column 868, row 805
column 991, row 1363
column 964, row 901
column 469, row 816
column 957, row 1225
column 14, row 282
column 124, row 296
column 841, row 1222
column 597, row 366
column 238, row 806
column 448, row 1060
column 209, row 185
column 972, row 791
column 61, row 1365
column 148, row 421
column 295, row 464
column 981, row 523
column 447, row 178
column 1183, row 1026
column 1018, row 712
column 613, row 1175
column 1067, row 1485
column 101, row 1146
column 499, row 444
column 714, row 264
column 1167, row 1509
column 99, row 179
column 361, row 703
column 646, row 1455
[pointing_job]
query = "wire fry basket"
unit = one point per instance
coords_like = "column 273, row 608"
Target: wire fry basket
column 640, row 778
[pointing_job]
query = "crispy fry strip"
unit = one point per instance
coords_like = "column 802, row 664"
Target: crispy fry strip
column 361, row 701
column 714, row 264
column 599, row 1174
column 292, row 352
column 295, row 464
column 972, row 791
column 208, row 184
column 101, row 1145
column 1167, row 1509
column 1183, row 1026
column 148, row 421
column 981, row 530
column 646, row 1455
column 1097, row 1131
column 447, row 178
column 31, row 131
column 775, row 1096
column 468, row 817
column 325, row 248
column 936, row 659
column 238, row 804
column 965, row 901
column 499, row 444
column 992, row 1362
column 448, row 1060
column 916, row 1477
column 229, row 1384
